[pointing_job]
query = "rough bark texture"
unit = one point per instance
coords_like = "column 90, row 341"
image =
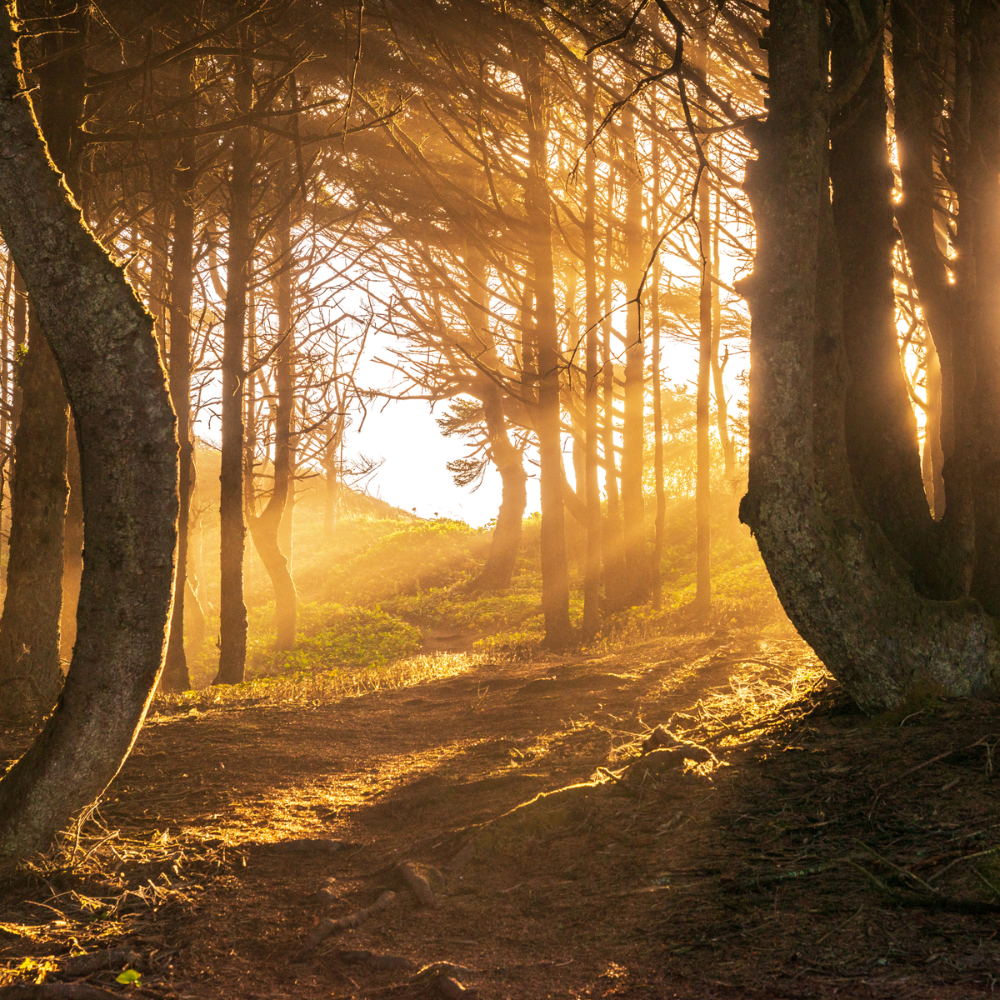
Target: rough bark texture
column 176, row 676
column 102, row 339
column 29, row 628
column 265, row 527
column 555, row 575
column 232, row 610
column 845, row 589
column 30, row 676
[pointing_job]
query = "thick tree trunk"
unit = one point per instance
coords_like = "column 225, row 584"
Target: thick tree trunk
column 654, row 309
column 29, row 628
column 980, row 212
column 176, row 676
column 555, row 575
column 843, row 586
column 265, row 527
column 30, row 677
column 633, row 426
column 232, row 609
column 103, row 342
column 881, row 428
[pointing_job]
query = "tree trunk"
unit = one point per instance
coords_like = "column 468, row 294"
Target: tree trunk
column 881, row 428
column 555, row 575
column 592, row 318
column 30, row 677
column 933, row 457
column 703, row 466
column 264, row 527
column 612, row 540
column 979, row 196
column 506, row 542
column 29, row 627
column 176, row 676
column 718, row 367
column 633, row 426
column 654, row 309
column 842, row 585
column 102, row 338
column 232, row 609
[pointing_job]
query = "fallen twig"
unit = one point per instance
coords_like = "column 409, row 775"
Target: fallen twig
column 109, row 958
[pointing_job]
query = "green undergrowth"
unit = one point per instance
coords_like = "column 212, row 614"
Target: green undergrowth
column 415, row 557
column 335, row 637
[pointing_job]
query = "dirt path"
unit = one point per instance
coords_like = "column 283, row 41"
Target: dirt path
column 642, row 877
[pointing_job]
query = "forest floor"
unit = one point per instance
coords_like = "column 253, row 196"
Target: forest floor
column 792, row 848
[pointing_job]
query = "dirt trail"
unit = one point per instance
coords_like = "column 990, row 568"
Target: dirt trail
column 643, row 877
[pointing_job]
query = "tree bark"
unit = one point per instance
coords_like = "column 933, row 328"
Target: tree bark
column 232, row 609
column 843, row 586
column 980, row 211
column 176, row 676
column 555, row 575
column 29, row 627
column 30, row 675
column 881, row 428
column 103, row 342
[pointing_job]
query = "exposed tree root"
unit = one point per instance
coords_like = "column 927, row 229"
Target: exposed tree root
column 417, row 884
column 356, row 919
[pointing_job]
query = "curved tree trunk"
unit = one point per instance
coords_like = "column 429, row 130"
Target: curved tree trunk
column 506, row 542
column 102, row 339
column 842, row 585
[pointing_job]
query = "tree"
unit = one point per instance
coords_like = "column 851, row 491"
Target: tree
column 863, row 585
column 102, row 340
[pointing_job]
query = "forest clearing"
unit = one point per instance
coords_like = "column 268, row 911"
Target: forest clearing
column 499, row 498
column 778, row 844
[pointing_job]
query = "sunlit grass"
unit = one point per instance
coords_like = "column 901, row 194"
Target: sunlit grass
column 321, row 687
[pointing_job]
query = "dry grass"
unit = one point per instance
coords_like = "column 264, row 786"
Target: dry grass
column 320, row 688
